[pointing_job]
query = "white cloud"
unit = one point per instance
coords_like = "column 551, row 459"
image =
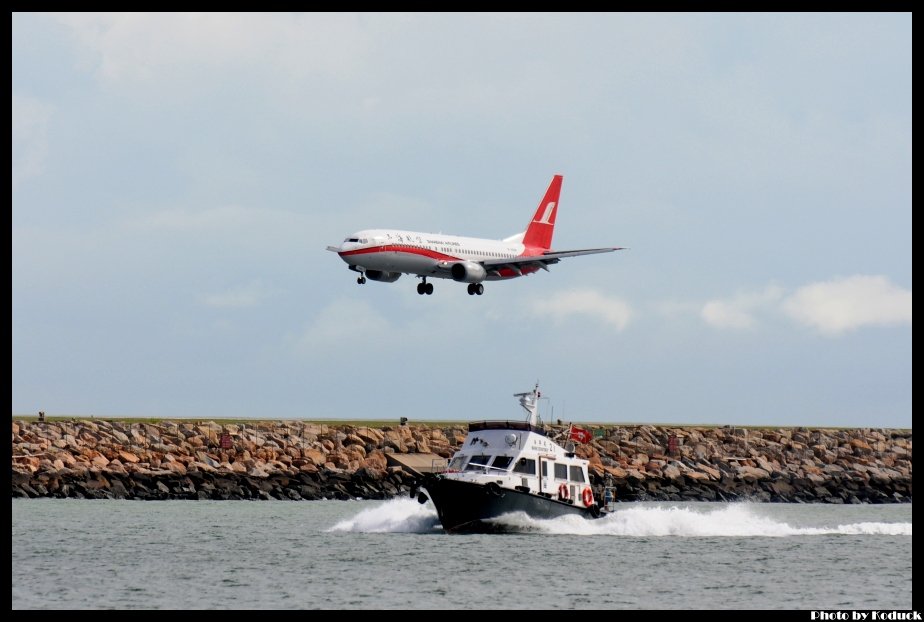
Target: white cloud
column 738, row 312
column 30, row 137
column 247, row 295
column 840, row 305
column 345, row 323
column 151, row 47
column 589, row 302
column 216, row 218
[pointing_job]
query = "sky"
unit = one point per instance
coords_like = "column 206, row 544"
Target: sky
column 177, row 177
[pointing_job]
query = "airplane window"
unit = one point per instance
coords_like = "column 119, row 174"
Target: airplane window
column 352, row 240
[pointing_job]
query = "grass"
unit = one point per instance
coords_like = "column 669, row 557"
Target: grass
column 379, row 423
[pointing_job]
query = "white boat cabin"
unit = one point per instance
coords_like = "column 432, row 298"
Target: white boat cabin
column 520, row 456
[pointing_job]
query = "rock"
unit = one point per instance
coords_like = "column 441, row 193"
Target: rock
column 126, row 456
column 375, row 461
column 671, row 472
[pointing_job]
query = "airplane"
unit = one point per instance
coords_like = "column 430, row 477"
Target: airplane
column 385, row 254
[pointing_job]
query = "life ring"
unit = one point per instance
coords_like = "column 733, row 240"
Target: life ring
column 563, row 492
column 588, row 497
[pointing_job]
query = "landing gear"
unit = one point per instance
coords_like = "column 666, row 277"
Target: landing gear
column 424, row 287
column 361, row 279
column 475, row 288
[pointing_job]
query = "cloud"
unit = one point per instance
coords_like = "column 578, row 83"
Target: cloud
column 845, row 304
column 148, row 47
column 30, row 137
column 589, row 302
column 216, row 218
column 738, row 312
column 247, row 295
column 345, row 323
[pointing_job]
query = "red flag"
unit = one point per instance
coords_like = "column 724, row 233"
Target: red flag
column 580, row 435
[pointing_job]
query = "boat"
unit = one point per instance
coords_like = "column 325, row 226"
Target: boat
column 509, row 466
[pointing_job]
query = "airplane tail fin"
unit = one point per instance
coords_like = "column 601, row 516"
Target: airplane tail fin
column 542, row 226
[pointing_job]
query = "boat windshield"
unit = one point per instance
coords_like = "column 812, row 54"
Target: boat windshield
column 480, row 463
column 502, row 462
column 477, row 463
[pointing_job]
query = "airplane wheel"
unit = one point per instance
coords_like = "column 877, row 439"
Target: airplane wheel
column 421, row 288
column 361, row 280
column 479, row 289
column 471, row 289
column 429, row 288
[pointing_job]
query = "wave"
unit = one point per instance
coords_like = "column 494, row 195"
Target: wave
column 728, row 520
column 398, row 515
column 402, row 515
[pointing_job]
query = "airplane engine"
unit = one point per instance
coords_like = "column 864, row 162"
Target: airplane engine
column 468, row 272
column 384, row 277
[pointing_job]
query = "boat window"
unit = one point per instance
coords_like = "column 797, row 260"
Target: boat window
column 502, row 462
column 545, row 469
column 577, row 474
column 477, row 463
column 456, row 464
column 561, row 471
column 525, row 465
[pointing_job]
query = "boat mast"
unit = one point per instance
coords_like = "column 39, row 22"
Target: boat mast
column 530, row 403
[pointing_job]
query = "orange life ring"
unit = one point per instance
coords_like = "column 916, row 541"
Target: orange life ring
column 588, row 497
column 563, row 492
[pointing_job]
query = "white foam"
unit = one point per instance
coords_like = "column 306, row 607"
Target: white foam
column 403, row 515
column 398, row 515
column 729, row 520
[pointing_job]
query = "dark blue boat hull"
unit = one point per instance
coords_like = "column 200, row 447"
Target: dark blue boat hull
column 464, row 507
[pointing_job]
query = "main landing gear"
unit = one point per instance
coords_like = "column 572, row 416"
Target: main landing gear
column 424, row 287
column 475, row 288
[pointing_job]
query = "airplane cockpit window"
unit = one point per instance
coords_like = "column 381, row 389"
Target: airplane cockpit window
column 351, row 240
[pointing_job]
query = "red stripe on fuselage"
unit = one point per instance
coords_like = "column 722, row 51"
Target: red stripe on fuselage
column 397, row 248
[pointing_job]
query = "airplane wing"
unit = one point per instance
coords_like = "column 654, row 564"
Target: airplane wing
column 334, row 249
column 543, row 261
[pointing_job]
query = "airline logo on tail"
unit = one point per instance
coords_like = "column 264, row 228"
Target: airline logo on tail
column 548, row 213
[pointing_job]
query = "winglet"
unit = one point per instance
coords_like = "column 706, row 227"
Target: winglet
column 542, row 226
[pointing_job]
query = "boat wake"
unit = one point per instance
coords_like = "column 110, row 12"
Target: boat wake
column 403, row 515
column 727, row 520
column 399, row 515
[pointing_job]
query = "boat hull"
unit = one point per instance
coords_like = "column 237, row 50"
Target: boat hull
column 466, row 507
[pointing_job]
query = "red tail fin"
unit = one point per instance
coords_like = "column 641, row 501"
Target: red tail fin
column 540, row 229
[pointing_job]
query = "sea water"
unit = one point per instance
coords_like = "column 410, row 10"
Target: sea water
column 393, row 554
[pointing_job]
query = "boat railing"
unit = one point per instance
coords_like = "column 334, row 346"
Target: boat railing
column 478, row 426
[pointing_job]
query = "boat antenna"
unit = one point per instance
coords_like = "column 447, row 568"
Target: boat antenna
column 530, row 403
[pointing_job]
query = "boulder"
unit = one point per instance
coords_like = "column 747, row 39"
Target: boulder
column 127, row 456
column 315, row 456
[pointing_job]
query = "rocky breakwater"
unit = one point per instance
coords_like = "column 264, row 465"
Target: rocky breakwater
column 785, row 465
column 299, row 460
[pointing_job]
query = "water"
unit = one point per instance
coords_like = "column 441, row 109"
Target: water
column 371, row 554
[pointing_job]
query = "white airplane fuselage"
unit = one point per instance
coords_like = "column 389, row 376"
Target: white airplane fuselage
column 429, row 254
